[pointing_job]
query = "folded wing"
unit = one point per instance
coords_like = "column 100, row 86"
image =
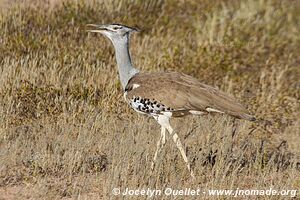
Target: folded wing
column 180, row 92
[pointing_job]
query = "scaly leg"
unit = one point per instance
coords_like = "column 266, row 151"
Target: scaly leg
column 160, row 144
column 164, row 121
column 179, row 145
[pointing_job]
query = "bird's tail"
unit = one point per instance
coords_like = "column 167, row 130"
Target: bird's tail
column 247, row 117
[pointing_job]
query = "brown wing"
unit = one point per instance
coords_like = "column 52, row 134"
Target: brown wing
column 182, row 92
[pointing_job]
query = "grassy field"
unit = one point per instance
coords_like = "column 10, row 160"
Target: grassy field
column 66, row 132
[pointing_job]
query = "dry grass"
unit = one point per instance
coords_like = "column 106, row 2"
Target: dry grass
column 66, row 133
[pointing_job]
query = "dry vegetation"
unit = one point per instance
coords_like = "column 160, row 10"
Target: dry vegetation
column 65, row 131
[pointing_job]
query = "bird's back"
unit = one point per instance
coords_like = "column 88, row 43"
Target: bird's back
column 179, row 92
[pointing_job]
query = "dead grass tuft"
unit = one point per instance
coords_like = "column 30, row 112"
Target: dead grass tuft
column 66, row 133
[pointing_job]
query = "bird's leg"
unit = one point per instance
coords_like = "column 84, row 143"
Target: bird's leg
column 160, row 144
column 164, row 121
column 179, row 145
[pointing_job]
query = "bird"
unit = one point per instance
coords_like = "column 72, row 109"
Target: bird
column 165, row 95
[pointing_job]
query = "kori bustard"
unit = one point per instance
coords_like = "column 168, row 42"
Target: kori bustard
column 163, row 95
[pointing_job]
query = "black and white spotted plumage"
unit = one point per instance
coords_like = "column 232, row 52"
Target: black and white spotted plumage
column 148, row 106
column 176, row 95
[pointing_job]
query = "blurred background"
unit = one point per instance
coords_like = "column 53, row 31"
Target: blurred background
column 66, row 132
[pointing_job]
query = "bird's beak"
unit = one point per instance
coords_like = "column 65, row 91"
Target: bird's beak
column 96, row 28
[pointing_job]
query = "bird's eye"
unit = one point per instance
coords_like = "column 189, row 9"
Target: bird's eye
column 115, row 28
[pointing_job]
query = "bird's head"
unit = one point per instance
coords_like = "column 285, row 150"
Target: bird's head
column 115, row 32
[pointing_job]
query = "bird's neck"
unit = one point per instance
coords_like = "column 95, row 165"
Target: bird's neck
column 125, row 67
